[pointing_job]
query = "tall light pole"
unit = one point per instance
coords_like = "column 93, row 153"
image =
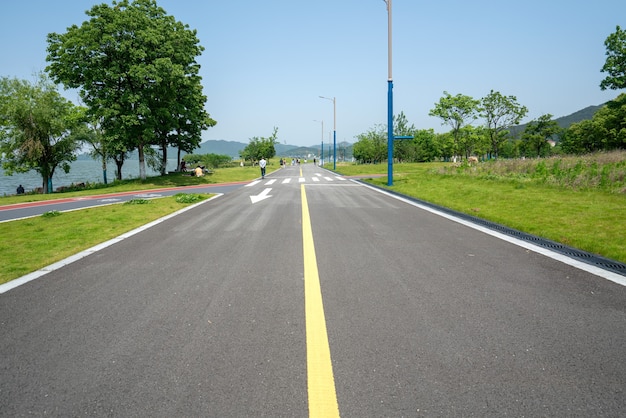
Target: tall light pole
column 334, row 130
column 322, row 153
column 390, row 136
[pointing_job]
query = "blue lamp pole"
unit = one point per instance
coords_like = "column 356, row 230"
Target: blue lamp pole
column 334, row 130
column 322, row 153
column 390, row 137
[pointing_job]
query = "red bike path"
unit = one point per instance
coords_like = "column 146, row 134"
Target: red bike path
column 110, row 195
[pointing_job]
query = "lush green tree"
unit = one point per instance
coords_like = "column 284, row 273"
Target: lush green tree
column 37, row 128
column 447, row 146
column 473, row 140
column 183, row 118
column 404, row 149
column 100, row 147
column 363, row 149
column 456, row 111
column 583, row 137
column 615, row 65
column 511, row 149
column 136, row 70
column 500, row 113
column 260, row 147
column 371, row 147
column 538, row 132
column 612, row 119
column 427, row 146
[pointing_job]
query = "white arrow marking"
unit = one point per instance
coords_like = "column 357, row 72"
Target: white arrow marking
column 261, row 196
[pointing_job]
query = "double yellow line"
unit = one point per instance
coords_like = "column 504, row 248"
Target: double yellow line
column 321, row 382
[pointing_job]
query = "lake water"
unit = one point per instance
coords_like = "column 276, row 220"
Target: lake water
column 81, row 171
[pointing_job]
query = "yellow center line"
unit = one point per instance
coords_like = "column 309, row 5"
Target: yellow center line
column 321, row 382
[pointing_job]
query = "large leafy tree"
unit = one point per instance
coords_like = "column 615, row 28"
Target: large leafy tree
column 583, row 137
column 539, row 131
column 612, row 118
column 92, row 134
column 472, row 140
column 500, row 113
column 427, row 146
column 404, row 149
column 371, row 147
column 37, row 128
column 615, row 65
column 136, row 70
column 182, row 116
column 457, row 112
column 260, row 147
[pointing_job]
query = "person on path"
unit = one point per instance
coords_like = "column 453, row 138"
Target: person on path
column 262, row 164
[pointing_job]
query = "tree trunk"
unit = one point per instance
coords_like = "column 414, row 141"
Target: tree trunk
column 164, row 160
column 104, row 170
column 118, row 169
column 142, row 161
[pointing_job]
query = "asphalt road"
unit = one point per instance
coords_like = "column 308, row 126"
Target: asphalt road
column 207, row 314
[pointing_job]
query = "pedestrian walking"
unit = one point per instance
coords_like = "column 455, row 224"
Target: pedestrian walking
column 262, row 164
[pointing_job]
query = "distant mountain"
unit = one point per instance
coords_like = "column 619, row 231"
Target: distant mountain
column 584, row 114
column 563, row 121
column 284, row 149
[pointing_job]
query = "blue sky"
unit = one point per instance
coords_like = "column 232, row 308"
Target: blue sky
column 267, row 62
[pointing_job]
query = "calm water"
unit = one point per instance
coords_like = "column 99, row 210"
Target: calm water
column 81, row 171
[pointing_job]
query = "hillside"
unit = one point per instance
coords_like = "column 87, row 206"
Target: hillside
column 563, row 121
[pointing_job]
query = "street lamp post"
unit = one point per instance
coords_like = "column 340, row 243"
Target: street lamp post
column 390, row 136
column 334, row 130
column 322, row 153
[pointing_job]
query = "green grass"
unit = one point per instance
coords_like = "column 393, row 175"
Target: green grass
column 39, row 241
column 581, row 214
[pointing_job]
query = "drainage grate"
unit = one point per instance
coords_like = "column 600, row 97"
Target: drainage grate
column 592, row 259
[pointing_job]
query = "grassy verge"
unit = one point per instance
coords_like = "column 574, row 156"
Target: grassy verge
column 40, row 241
column 575, row 207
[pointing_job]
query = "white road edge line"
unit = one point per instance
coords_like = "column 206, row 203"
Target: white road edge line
column 609, row 275
column 47, row 269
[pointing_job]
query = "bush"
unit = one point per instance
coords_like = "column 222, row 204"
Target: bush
column 137, row 202
column 189, row 197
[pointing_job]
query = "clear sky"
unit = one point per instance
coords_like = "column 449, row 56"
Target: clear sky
column 267, row 62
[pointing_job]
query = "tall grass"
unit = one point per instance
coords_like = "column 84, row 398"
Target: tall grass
column 605, row 171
